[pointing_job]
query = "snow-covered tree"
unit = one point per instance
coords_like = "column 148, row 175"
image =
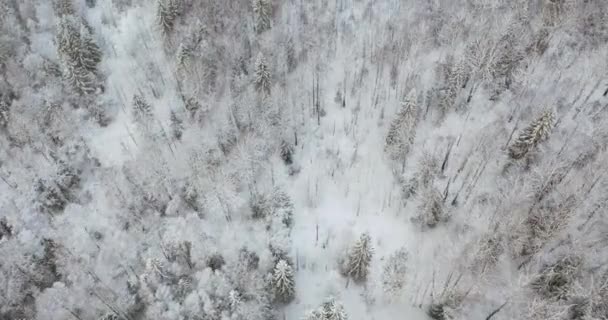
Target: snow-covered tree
column 63, row 7
column 183, row 56
column 283, row 283
column 4, row 114
column 166, row 14
column 262, row 75
column 393, row 275
column 430, row 210
column 286, row 152
column 142, row 110
column 402, row 130
column 531, row 136
column 359, row 259
column 262, row 10
column 177, row 126
column 79, row 53
column 333, row 310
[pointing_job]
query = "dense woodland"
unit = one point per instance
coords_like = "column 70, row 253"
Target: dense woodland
column 303, row 159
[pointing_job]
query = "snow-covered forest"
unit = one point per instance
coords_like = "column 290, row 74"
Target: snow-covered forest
column 303, row 159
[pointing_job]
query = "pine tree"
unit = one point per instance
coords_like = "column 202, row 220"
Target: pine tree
column 79, row 54
column 166, row 13
column 81, row 80
column 262, row 75
column 184, row 52
column 360, row 258
column 90, row 54
column 393, row 276
column 287, row 152
column 142, row 111
column 4, row 114
column 402, row 131
column 263, row 12
column 283, row 282
column 63, row 7
column 431, row 210
column 177, row 126
column 535, row 133
column 332, row 310
column 314, row 315
column 290, row 53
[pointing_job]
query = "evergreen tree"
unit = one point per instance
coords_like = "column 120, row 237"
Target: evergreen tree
column 402, row 131
column 184, row 52
column 393, row 276
column 4, row 114
column 431, row 210
column 166, row 13
column 142, row 110
column 531, row 136
column 360, row 258
column 290, row 53
column 79, row 53
column 262, row 75
column 81, row 80
column 332, row 310
column 283, row 281
column 63, row 7
column 177, row 126
column 286, row 152
column 314, row 315
column 263, row 12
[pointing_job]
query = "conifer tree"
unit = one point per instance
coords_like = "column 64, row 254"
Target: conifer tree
column 184, row 52
column 360, row 258
column 287, row 152
column 79, row 53
column 81, row 80
column 263, row 12
column 4, row 114
column 177, row 127
column 393, row 276
column 166, row 13
column 402, row 131
column 531, row 136
column 332, row 310
column 142, row 110
column 262, row 75
column 283, row 281
column 314, row 315
column 63, row 7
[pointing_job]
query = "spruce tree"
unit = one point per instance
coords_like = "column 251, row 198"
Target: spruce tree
column 63, row 7
column 4, row 114
column 287, row 152
column 262, row 75
column 184, row 52
column 332, row 310
column 360, row 258
column 402, row 130
column 537, row 132
column 263, row 12
column 166, row 13
column 314, row 315
column 79, row 53
column 283, row 281
column 79, row 79
column 142, row 110
column 177, row 127
column 393, row 276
